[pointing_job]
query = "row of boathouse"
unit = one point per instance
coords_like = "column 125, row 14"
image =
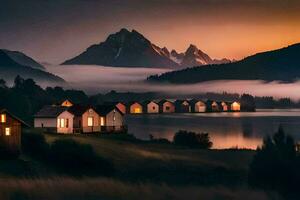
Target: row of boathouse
column 177, row 106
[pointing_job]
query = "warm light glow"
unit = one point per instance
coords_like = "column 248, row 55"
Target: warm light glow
column 7, row 131
column 90, row 121
column 3, row 118
column 235, row 106
column 61, row 123
column 67, row 103
column 137, row 110
column 102, row 121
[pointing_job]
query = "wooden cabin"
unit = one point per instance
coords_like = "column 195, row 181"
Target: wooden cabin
column 135, row 108
column 10, row 134
column 111, row 119
column 215, row 106
column 150, row 107
column 235, row 106
column 198, row 106
column 55, row 119
column 166, row 106
column 182, row 106
column 224, row 106
column 86, row 119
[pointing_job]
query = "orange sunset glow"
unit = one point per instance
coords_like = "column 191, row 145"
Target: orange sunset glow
column 232, row 29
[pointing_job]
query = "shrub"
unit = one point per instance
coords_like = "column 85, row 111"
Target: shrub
column 78, row 159
column 192, row 139
column 276, row 164
column 35, row 145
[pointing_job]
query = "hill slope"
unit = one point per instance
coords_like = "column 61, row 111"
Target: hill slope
column 23, row 59
column 282, row 64
column 9, row 69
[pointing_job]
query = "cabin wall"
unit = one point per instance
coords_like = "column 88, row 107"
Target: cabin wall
column 96, row 121
column 45, row 122
column 114, row 119
column 12, row 142
column 200, row 107
column 65, row 130
column 136, row 108
column 152, row 107
column 168, row 107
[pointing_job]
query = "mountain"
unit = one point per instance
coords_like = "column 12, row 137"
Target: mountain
column 9, row 69
column 23, row 59
column 132, row 49
column 124, row 49
column 282, row 64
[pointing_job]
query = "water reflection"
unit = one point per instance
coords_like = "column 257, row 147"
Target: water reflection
column 227, row 130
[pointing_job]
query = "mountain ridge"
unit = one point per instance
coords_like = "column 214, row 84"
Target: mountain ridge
column 281, row 64
column 9, row 69
column 131, row 49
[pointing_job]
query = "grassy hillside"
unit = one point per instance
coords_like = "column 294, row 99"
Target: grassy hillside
column 143, row 169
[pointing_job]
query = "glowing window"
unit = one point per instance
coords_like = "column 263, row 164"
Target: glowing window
column 102, row 121
column 61, row 123
column 7, row 131
column 3, row 118
column 90, row 121
column 137, row 110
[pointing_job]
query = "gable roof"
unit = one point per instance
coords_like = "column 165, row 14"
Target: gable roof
column 4, row 110
column 161, row 102
column 78, row 110
column 103, row 110
column 145, row 103
column 50, row 111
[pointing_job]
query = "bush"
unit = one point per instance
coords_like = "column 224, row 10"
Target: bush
column 192, row 139
column 276, row 164
column 35, row 145
column 75, row 158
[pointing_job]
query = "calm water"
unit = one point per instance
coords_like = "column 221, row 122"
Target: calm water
column 243, row 130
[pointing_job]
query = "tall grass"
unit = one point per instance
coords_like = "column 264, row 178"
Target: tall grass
column 103, row 188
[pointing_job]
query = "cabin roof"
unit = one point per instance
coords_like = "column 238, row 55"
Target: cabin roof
column 78, row 110
column 50, row 111
column 145, row 103
column 103, row 110
column 161, row 102
column 4, row 110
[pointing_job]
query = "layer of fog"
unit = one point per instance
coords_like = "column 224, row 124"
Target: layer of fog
column 99, row 79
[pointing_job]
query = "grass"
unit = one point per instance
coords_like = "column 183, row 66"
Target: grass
column 143, row 169
column 94, row 189
column 147, row 162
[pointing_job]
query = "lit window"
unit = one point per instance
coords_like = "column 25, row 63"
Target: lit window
column 102, row 121
column 90, row 121
column 61, row 123
column 3, row 118
column 7, row 131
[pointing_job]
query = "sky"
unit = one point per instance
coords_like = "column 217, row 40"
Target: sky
column 56, row 30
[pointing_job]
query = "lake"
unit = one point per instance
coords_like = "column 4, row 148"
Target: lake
column 227, row 130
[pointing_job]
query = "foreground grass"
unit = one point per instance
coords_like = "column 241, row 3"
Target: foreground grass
column 95, row 189
column 135, row 160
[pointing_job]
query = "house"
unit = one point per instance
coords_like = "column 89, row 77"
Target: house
column 150, row 107
column 198, row 106
column 86, row 119
column 224, row 106
column 215, row 106
column 182, row 106
column 10, row 133
column 135, row 108
column 235, row 106
column 54, row 119
column 111, row 118
column 166, row 106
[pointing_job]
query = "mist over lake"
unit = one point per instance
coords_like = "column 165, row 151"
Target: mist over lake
column 94, row 79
